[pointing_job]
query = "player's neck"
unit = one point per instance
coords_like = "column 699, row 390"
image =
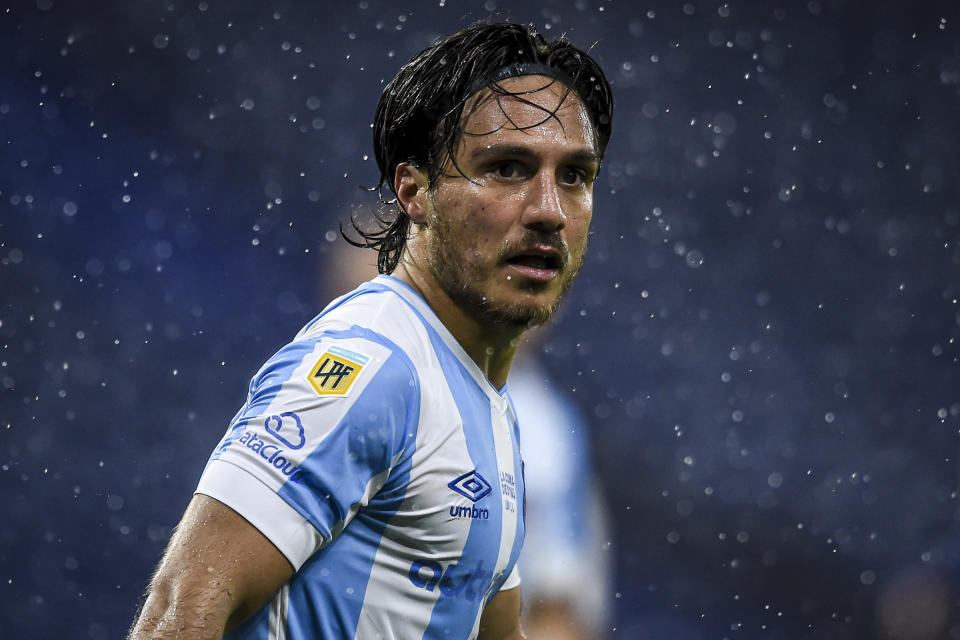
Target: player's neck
column 491, row 347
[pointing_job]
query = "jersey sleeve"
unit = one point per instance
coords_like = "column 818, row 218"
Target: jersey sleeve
column 325, row 422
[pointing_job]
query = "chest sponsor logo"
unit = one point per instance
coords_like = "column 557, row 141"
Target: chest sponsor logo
column 473, row 512
column 474, row 487
column 454, row 581
column 335, row 371
column 471, row 485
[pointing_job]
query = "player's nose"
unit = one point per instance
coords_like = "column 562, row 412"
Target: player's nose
column 544, row 208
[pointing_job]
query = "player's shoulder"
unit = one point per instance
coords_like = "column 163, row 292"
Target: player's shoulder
column 342, row 352
column 373, row 305
column 337, row 363
column 382, row 310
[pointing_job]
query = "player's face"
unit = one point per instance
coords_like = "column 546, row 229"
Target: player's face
column 507, row 240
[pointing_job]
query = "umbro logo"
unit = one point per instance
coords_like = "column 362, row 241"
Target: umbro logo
column 471, row 485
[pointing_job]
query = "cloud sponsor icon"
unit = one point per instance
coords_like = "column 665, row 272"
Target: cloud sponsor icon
column 470, row 485
column 286, row 428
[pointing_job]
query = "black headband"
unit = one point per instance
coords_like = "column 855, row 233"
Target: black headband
column 518, row 69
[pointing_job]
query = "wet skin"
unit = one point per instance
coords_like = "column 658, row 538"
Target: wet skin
column 500, row 236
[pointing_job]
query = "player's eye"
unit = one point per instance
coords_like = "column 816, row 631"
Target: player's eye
column 509, row 169
column 572, row 176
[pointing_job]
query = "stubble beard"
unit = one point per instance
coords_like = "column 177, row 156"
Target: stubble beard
column 460, row 279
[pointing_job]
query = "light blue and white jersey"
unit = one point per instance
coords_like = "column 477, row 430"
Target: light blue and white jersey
column 377, row 457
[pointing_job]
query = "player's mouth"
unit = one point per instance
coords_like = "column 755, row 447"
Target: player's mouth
column 541, row 263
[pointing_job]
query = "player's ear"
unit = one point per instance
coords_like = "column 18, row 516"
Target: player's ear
column 410, row 184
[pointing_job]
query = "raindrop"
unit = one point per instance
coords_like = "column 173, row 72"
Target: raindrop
column 161, row 41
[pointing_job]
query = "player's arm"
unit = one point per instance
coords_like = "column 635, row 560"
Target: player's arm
column 217, row 570
column 501, row 617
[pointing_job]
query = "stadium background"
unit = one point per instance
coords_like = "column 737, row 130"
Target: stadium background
column 765, row 336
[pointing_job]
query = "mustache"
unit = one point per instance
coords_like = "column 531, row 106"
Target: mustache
column 537, row 240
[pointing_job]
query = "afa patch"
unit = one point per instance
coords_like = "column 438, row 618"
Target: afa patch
column 336, row 370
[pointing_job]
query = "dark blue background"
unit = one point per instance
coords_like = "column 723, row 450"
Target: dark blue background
column 765, row 334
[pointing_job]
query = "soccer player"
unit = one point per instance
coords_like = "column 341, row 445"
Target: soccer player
column 372, row 486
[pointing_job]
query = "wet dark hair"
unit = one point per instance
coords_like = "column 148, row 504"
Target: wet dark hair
column 419, row 116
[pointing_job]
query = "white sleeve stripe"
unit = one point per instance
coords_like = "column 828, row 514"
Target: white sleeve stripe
column 260, row 505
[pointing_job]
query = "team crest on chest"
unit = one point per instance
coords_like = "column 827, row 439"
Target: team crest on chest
column 336, row 370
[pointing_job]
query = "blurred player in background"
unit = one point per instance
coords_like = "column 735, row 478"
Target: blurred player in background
column 565, row 562
column 371, row 486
